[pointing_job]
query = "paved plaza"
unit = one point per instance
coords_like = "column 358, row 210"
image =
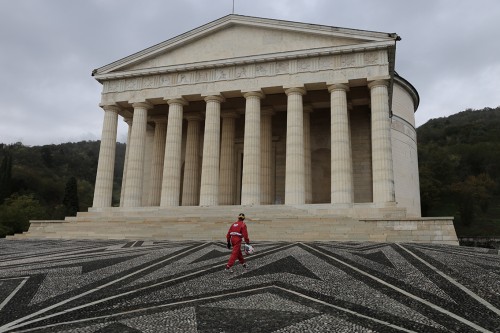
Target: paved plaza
column 162, row 286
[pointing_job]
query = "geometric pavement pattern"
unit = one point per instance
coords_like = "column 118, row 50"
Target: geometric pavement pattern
column 166, row 286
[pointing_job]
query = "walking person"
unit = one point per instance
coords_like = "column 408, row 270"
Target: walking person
column 236, row 233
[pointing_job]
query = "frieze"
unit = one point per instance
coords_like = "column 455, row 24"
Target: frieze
column 132, row 84
column 150, row 82
column 184, row 78
column 115, row 85
column 371, row 58
column 325, row 62
column 305, row 65
column 222, row 74
column 167, row 80
column 340, row 65
column 282, row 67
column 244, row 72
column 347, row 60
column 263, row 69
column 202, row 76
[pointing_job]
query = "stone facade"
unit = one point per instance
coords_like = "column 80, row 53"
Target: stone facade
column 273, row 77
column 254, row 112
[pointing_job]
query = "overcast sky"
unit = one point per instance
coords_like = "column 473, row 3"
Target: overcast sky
column 450, row 52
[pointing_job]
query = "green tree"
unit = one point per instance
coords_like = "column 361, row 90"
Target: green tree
column 473, row 193
column 5, row 176
column 46, row 154
column 70, row 200
column 17, row 211
column 430, row 190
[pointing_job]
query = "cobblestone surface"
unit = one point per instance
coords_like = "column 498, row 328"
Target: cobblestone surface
column 161, row 286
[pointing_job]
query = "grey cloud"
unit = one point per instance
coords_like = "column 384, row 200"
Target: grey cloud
column 449, row 52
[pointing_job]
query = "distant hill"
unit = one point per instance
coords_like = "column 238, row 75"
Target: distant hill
column 35, row 181
column 459, row 162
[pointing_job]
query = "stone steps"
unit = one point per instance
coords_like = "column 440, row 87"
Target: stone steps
column 265, row 223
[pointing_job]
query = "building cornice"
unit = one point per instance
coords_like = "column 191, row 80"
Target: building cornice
column 246, row 60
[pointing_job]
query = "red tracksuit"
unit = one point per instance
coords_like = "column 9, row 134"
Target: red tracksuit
column 236, row 233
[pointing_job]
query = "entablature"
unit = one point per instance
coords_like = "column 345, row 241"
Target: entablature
column 309, row 71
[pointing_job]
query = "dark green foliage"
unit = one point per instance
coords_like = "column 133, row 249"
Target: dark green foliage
column 17, row 211
column 459, row 163
column 5, row 176
column 59, row 177
column 70, row 200
column 46, row 156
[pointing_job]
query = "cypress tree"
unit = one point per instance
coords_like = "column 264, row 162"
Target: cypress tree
column 5, row 176
column 70, row 200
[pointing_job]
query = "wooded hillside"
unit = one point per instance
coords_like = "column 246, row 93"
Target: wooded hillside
column 459, row 162
column 49, row 182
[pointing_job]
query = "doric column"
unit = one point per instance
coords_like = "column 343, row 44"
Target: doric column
column 307, row 153
column 227, row 174
column 128, row 121
column 171, row 183
column 383, row 176
column 266, row 150
column 341, row 156
column 209, row 190
column 250, row 183
column 135, row 163
column 103, row 191
column 294, row 175
column 157, row 160
column 191, row 185
column 148, row 158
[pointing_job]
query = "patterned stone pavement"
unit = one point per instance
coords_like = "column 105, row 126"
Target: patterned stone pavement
column 161, row 286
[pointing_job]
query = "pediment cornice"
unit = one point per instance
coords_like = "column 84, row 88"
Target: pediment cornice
column 244, row 60
column 368, row 40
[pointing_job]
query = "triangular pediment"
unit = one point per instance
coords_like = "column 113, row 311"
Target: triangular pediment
column 236, row 38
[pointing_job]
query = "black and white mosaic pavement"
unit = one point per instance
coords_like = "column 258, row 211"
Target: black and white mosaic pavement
column 160, row 286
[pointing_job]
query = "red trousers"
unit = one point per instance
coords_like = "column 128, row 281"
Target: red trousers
column 236, row 253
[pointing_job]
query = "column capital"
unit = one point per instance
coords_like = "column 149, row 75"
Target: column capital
column 294, row 91
column 193, row 116
column 180, row 101
column 257, row 94
column 338, row 86
column 110, row 107
column 142, row 105
column 377, row 83
column 214, row 98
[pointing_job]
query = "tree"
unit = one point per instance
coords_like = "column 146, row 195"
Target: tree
column 70, row 200
column 5, row 176
column 47, row 156
column 17, row 211
column 472, row 193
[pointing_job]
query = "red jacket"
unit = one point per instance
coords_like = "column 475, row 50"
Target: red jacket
column 238, row 229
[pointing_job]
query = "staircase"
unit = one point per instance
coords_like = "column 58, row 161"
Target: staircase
column 265, row 223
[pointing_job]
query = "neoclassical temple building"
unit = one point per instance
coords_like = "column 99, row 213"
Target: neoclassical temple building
column 296, row 124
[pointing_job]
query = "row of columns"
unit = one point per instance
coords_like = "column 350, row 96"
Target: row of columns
column 216, row 184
